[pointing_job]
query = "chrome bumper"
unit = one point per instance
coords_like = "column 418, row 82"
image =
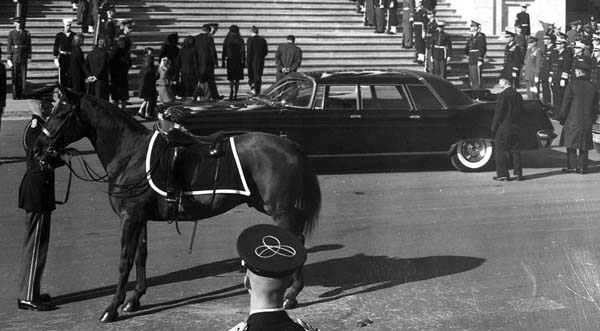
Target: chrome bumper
column 545, row 138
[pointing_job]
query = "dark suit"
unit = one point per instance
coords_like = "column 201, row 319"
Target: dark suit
column 77, row 70
column 288, row 56
column 62, row 52
column 257, row 51
column 577, row 114
column 2, row 89
column 36, row 197
column 513, row 61
column 505, row 127
column 560, row 72
column 522, row 20
column 475, row 49
column 206, row 55
column 272, row 321
column 441, row 50
column 97, row 65
column 19, row 52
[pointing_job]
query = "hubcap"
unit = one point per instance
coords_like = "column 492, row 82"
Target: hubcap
column 473, row 150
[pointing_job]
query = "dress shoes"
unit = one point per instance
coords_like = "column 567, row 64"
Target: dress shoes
column 34, row 305
column 568, row 170
column 501, row 178
column 520, row 178
column 582, row 171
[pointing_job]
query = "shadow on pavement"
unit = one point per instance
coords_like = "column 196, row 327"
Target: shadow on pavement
column 363, row 273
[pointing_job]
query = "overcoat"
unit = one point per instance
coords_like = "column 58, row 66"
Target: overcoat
column 512, row 58
column 257, row 51
column 148, row 76
column 206, row 55
column 530, row 67
column 578, row 113
column 272, row 321
column 186, row 62
column 120, row 62
column 234, row 57
column 507, row 111
column 288, row 55
column 77, row 70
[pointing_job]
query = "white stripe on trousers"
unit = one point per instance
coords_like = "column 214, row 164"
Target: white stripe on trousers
column 34, row 258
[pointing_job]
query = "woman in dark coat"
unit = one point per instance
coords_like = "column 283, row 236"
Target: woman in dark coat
column 77, row 68
column 234, row 58
column 170, row 48
column 577, row 115
column 186, row 62
column 120, row 62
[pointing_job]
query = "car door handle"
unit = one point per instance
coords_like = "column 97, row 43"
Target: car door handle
column 356, row 116
column 415, row 116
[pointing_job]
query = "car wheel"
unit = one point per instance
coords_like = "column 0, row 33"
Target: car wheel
column 473, row 155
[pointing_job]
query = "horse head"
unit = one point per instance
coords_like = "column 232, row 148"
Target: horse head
column 63, row 126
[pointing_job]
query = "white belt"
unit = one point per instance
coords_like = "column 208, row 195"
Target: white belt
column 474, row 51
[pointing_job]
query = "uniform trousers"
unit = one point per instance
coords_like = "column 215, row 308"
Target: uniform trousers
column 35, row 250
column 19, row 78
column 407, row 32
column 532, row 90
column 577, row 158
column 507, row 148
column 380, row 19
column 439, row 68
column 546, row 92
column 558, row 93
column 475, row 76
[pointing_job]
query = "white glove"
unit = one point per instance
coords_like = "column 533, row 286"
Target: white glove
column 241, row 326
column 56, row 63
column 448, row 59
column 411, row 19
column 562, row 83
column 550, row 79
column 536, row 79
column 9, row 63
column 479, row 63
column 514, row 74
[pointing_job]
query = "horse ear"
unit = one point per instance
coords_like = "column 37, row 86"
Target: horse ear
column 72, row 96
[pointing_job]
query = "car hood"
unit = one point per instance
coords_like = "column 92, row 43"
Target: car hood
column 179, row 112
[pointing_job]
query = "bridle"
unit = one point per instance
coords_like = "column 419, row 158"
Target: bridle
column 51, row 150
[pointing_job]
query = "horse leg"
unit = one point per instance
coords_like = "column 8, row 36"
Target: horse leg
column 130, row 234
column 294, row 222
column 133, row 304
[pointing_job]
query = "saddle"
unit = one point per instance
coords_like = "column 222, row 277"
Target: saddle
column 179, row 137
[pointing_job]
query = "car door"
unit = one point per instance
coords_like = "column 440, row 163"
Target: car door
column 386, row 119
column 433, row 124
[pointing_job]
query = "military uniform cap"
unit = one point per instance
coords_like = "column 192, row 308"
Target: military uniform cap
column 509, row 31
column 560, row 38
column 17, row 19
column 441, row 23
column 524, row 5
column 575, row 22
column 596, row 36
column 579, row 44
column 473, row 23
column 67, row 21
column 270, row 251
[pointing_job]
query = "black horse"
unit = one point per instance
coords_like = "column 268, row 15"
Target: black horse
column 278, row 177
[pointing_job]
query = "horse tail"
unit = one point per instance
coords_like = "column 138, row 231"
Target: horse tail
column 310, row 199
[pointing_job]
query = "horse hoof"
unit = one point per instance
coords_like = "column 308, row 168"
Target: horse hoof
column 131, row 306
column 108, row 317
column 290, row 303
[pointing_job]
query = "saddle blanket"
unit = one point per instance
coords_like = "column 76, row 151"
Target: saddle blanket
column 197, row 173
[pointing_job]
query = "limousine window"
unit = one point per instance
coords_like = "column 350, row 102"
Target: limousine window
column 452, row 96
column 423, row 98
column 337, row 97
column 384, row 97
column 294, row 92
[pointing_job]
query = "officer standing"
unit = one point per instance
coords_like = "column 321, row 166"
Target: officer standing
column 97, row 66
column 62, row 51
column 257, row 51
column 531, row 67
column 505, row 129
column 408, row 17
column 512, row 58
column 36, row 197
column 419, row 28
column 475, row 49
column 577, row 115
column 271, row 255
column 562, row 60
column 19, row 53
column 522, row 20
column 2, row 88
column 441, row 50
column 545, row 64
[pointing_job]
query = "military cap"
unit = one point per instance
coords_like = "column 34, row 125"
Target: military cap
column 582, row 64
column 596, row 36
column 509, row 31
column 17, row 19
column 579, row 44
column 270, row 251
column 441, row 23
column 474, row 23
column 560, row 38
column 524, row 5
column 67, row 21
column 575, row 22
column 126, row 21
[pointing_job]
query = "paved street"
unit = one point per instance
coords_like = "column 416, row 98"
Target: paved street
column 405, row 244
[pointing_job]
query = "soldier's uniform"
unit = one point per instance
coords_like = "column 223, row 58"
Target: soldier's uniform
column 19, row 53
column 36, row 197
column 475, row 49
column 573, row 33
column 408, row 16
column 62, row 52
column 441, row 50
column 560, row 72
column 270, row 254
column 430, row 28
column 512, row 59
column 545, row 65
column 522, row 20
column 419, row 28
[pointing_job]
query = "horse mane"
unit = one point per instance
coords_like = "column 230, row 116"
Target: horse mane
column 112, row 111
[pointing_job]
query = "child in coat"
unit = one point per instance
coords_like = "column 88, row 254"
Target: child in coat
column 167, row 79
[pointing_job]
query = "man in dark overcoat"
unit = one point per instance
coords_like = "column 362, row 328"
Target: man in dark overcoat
column 62, row 51
column 77, row 69
column 505, row 129
column 577, row 115
column 441, row 50
column 288, row 57
column 257, row 51
column 512, row 58
column 36, row 197
column 475, row 49
column 2, row 88
column 97, row 66
column 19, row 54
column 522, row 20
column 206, row 55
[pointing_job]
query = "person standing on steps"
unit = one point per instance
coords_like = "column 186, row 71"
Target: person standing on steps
column 257, row 50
